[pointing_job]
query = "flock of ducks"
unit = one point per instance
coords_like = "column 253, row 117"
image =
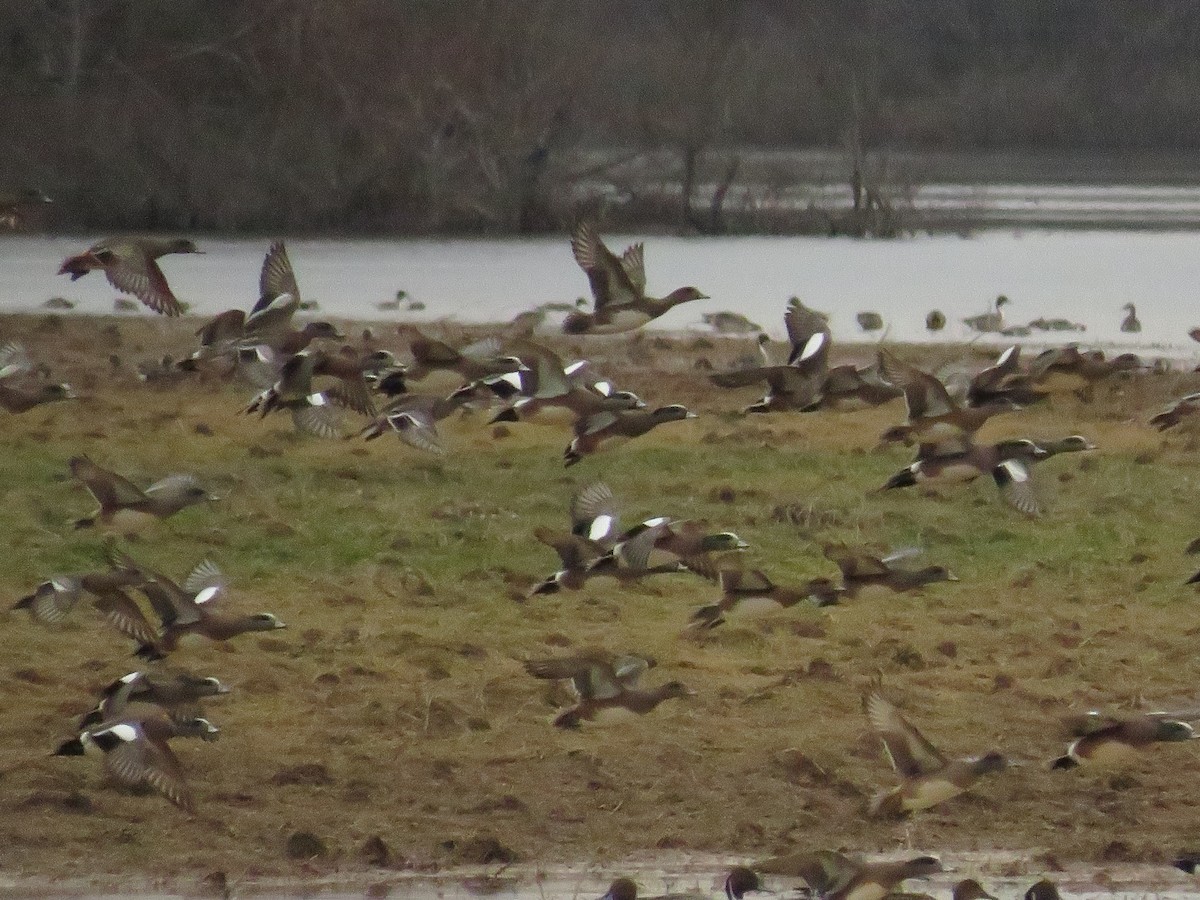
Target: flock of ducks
column 292, row 370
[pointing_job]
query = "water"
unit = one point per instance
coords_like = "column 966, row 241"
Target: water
column 1083, row 276
column 693, row 875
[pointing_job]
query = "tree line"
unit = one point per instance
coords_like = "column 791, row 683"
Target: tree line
column 430, row 116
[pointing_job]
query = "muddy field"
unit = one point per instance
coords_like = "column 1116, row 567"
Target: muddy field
column 391, row 727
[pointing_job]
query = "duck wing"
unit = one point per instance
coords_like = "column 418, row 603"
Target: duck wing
column 594, row 513
column 607, row 274
column 924, row 395
column 910, row 753
column 1013, row 478
column 109, row 488
column 810, row 337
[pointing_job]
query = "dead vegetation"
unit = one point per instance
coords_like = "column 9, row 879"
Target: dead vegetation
column 392, row 724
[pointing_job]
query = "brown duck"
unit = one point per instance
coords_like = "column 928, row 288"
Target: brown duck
column 616, row 426
column 927, row 778
column 606, row 685
column 125, row 506
column 136, row 753
column 751, row 591
column 862, row 570
column 130, row 265
column 618, row 288
column 1106, row 740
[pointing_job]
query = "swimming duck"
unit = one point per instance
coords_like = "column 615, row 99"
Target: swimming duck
column 796, row 385
column 869, row 321
column 601, row 429
column 992, row 320
column 618, row 288
column 136, row 753
column 927, row 778
column 130, row 265
column 1107, row 740
column 606, row 686
column 1130, row 324
column 833, row 876
column 126, row 507
column 862, row 570
column 729, row 323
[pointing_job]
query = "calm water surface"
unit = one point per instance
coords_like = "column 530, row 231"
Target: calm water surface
column 698, row 876
column 1084, row 276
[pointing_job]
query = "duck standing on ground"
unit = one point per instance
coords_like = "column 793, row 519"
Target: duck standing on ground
column 130, row 265
column 618, row 288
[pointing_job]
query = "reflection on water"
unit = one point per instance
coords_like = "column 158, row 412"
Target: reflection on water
column 1005, row 874
column 1080, row 276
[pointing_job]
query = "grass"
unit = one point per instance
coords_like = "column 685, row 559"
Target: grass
column 399, row 685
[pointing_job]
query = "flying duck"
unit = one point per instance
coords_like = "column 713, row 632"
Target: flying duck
column 126, row 507
column 927, row 778
column 618, row 288
column 606, row 686
column 130, row 265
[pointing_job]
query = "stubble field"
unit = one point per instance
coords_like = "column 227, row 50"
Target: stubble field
column 393, row 722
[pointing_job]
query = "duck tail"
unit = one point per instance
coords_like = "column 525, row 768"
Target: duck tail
column 73, row 747
column 885, row 805
column 150, row 653
column 1064, row 762
column 84, row 523
column 902, row 479
column 571, row 456
column 508, row 414
column 546, row 586
column 568, row 719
